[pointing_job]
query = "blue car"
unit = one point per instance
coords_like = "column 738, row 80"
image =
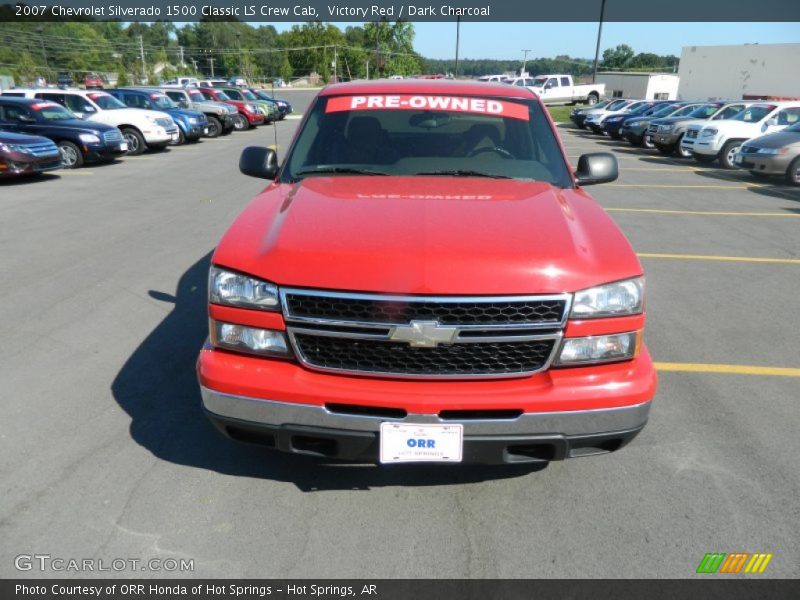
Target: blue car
column 283, row 105
column 613, row 124
column 192, row 124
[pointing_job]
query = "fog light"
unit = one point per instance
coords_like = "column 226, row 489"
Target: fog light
column 599, row 349
column 241, row 338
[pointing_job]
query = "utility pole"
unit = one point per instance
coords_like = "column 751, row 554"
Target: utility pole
column 335, row 66
column 599, row 34
column 194, row 64
column 141, row 53
column 44, row 52
column 367, row 68
column 211, row 60
column 239, row 48
column 458, row 32
column 524, row 61
column 182, row 61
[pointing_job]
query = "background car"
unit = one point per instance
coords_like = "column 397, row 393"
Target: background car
column 92, row 81
column 773, row 154
column 634, row 129
column 669, row 133
column 219, row 114
column 594, row 120
column 284, row 108
column 191, row 123
column 578, row 115
column 613, row 123
column 248, row 115
column 78, row 141
column 22, row 155
column 268, row 108
column 65, row 80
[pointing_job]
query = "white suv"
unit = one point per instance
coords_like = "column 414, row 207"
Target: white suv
column 142, row 129
column 722, row 139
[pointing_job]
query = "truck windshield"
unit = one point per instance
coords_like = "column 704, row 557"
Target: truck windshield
column 223, row 97
column 704, row 111
column 162, row 101
column 539, row 81
column 54, row 112
column 195, row 96
column 421, row 135
column 666, row 110
column 753, row 114
column 685, row 111
column 106, row 101
column 249, row 95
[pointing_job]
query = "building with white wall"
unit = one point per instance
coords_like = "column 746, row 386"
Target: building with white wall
column 735, row 72
column 650, row 86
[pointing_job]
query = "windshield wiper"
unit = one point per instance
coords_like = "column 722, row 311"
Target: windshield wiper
column 463, row 173
column 338, row 170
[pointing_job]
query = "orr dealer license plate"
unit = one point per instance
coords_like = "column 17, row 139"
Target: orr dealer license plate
column 421, row 442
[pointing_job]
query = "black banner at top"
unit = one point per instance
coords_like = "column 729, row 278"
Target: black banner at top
column 409, row 10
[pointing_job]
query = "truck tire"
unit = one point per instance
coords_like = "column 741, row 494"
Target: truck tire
column 181, row 139
column 136, row 144
column 647, row 141
column 214, row 127
column 665, row 150
column 71, row 155
column 240, row 122
column 729, row 150
column 679, row 151
column 592, row 99
column 793, row 172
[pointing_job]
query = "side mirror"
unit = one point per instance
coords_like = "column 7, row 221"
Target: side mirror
column 596, row 167
column 88, row 108
column 772, row 122
column 256, row 161
column 183, row 103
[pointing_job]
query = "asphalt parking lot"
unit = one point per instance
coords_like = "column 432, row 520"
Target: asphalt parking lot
column 104, row 451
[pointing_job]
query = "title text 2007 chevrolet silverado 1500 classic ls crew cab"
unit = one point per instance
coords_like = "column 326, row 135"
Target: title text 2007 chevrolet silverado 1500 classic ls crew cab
column 426, row 280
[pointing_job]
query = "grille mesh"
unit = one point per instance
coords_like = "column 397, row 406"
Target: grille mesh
column 692, row 133
column 370, row 356
column 446, row 313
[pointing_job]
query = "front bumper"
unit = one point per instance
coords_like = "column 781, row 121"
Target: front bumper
column 706, row 147
column 633, row 134
column 564, row 412
column 255, row 119
column 26, row 166
column 666, row 139
column 775, row 164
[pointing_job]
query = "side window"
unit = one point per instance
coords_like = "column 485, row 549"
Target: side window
column 519, row 82
column 789, row 116
column 234, row 95
column 207, row 96
column 565, row 81
column 76, row 103
column 57, row 98
column 551, row 83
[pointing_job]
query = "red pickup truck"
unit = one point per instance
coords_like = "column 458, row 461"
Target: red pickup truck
column 425, row 279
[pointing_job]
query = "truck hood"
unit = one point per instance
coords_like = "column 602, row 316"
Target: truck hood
column 121, row 115
column 427, row 235
column 731, row 128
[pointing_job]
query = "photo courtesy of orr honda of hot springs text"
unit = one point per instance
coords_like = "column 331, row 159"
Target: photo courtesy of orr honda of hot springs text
column 425, row 279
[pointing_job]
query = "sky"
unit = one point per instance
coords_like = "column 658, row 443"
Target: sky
column 546, row 40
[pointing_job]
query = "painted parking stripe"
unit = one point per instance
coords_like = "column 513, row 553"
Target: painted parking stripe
column 681, row 186
column 65, row 172
column 727, row 369
column 745, row 259
column 710, row 213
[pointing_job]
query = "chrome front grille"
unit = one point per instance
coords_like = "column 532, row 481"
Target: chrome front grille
column 692, row 133
column 113, row 137
column 652, row 129
column 40, row 149
column 424, row 336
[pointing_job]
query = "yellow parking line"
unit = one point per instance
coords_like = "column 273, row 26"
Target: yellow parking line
column 747, row 259
column 137, row 158
column 66, row 172
column 710, row 213
column 729, row 369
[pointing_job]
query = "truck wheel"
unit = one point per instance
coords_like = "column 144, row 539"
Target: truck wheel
column 592, row 99
column 793, row 172
column 647, row 141
column 214, row 127
column 71, row 156
column 240, row 122
column 729, row 150
column 681, row 151
column 181, row 139
column 135, row 141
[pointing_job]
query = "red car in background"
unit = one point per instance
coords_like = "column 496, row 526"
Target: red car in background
column 92, row 81
column 249, row 115
column 425, row 279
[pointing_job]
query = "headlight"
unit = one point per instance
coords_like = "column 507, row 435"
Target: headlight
column 599, row 349
column 609, row 300
column 235, row 289
column 252, row 340
column 253, row 108
column 193, row 120
column 666, row 127
column 89, row 138
column 634, row 123
column 708, row 133
column 783, row 150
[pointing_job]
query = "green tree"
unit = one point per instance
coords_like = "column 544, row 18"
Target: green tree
column 617, row 58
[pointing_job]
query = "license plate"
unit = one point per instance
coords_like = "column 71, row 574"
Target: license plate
column 174, row 137
column 123, row 146
column 205, row 130
column 737, row 159
column 421, row 443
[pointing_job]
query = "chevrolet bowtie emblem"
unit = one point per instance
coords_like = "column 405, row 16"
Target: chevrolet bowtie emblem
column 423, row 334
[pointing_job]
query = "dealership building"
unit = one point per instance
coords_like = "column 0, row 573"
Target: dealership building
column 652, row 86
column 750, row 71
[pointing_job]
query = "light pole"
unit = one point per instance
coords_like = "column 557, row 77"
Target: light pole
column 44, row 52
column 458, row 32
column 524, row 61
column 599, row 33
column 239, row 48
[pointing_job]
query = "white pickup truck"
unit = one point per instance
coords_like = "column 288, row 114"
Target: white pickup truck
column 560, row 89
